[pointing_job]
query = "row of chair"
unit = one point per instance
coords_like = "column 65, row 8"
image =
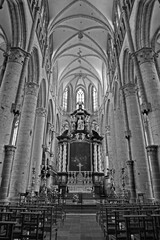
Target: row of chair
column 129, row 221
column 36, row 222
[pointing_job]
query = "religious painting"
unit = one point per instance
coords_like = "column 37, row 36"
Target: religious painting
column 80, row 157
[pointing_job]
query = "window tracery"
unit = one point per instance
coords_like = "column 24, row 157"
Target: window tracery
column 80, row 97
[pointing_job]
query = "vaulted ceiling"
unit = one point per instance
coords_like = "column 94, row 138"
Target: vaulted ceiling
column 80, row 30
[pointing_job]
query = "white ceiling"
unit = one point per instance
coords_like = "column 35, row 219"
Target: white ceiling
column 80, row 29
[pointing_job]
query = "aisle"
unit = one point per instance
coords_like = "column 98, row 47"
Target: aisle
column 80, row 227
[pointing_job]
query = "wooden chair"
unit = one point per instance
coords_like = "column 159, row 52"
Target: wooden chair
column 30, row 227
column 6, row 230
column 156, row 220
column 50, row 225
column 140, row 226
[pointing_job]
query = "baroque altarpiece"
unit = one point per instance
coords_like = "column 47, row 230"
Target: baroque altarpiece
column 80, row 163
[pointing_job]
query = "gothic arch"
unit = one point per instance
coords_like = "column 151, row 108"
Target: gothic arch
column 144, row 12
column 156, row 47
column 3, row 56
column 18, row 22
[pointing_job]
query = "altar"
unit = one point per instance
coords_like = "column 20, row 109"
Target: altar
column 80, row 188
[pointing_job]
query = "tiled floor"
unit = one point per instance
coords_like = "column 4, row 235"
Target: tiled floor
column 80, row 227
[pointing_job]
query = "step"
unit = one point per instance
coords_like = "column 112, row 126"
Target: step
column 80, row 208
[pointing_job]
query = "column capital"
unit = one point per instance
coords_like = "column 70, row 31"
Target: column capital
column 17, row 54
column 130, row 162
column 50, row 126
column 129, row 89
column 128, row 134
column 31, row 88
column 41, row 112
column 10, row 148
column 145, row 55
column 146, row 107
column 124, row 9
column 152, row 148
column 16, row 108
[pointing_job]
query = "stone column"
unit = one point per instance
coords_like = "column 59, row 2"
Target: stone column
column 7, row 167
column 19, row 99
column 152, row 86
column 8, row 93
column 145, row 107
column 137, row 142
column 130, row 166
column 21, row 163
column 121, row 146
column 64, row 157
column 112, row 144
column 155, row 170
column 37, row 145
column 60, row 158
column 95, row 157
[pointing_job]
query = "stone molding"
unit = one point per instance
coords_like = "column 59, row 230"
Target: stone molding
column 10, row 148
column 31, row 88
column 50, row 126
column 152, row 148
column 17, row 55
column 130, row 163
column 146, row 107
column 41, row 112
column 129, row 89
column 145, row 55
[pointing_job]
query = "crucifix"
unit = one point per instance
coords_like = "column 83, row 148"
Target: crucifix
column 80, row 166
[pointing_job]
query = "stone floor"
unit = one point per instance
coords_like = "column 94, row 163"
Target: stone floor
column 80, row 226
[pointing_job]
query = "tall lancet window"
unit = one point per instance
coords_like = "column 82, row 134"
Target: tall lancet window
column 65, row 99
column 80, row 97
column 95, row 100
